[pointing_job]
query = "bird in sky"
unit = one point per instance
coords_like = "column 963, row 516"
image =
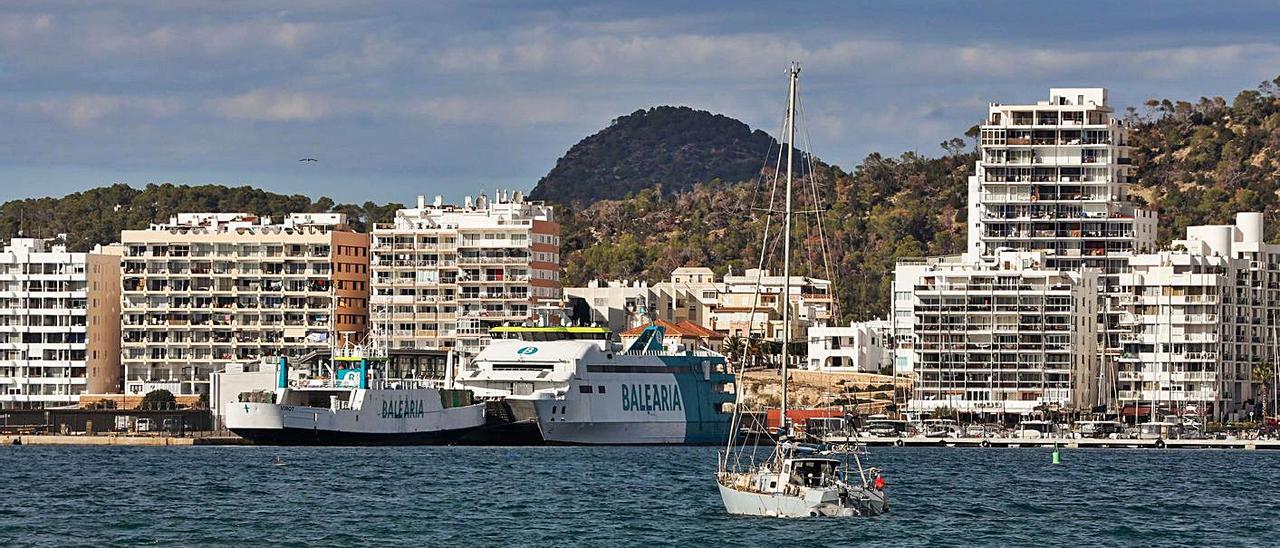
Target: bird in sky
column 308, row 160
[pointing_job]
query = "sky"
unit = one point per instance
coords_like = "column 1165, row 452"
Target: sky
column 400, row 98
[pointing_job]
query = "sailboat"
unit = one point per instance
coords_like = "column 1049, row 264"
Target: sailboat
column 795, row 480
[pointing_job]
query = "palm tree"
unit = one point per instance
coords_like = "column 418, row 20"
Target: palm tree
column 732, row 347
column 1263, row 373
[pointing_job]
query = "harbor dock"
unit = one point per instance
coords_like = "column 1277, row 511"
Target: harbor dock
column 133, row 441
column 921, row 441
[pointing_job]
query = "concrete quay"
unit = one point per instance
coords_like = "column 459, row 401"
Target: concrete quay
column 131, row 441
column 921, row 441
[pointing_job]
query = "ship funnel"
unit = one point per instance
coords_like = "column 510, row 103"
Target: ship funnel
column 282, row 373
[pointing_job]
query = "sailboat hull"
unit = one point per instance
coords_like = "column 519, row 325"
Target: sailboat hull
column 810, row 503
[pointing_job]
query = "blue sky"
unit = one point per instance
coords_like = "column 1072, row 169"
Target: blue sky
column 403, row 98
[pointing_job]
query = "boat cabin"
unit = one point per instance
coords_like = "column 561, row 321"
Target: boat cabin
column 1160, row 429
column 811, row 471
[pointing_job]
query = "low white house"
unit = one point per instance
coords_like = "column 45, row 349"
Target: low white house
column 865, row 347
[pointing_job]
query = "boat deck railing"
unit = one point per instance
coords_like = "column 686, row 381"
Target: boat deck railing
column 376, row 384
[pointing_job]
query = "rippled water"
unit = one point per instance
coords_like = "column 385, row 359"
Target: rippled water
column 58, row 496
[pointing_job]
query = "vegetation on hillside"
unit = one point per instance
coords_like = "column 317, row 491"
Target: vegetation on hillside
column 1200, row 163
column 886, row 209
column 96, row 216
column 671, row 148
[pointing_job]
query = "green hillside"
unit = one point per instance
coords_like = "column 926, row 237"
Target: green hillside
column 673, row 148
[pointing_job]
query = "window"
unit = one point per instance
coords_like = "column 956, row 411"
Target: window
column 600, row 389
column 584, row 388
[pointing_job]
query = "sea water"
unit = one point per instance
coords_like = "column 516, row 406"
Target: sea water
column 618, row 496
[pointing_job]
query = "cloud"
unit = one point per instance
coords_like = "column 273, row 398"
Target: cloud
column 752, row 56
column 166, row 40
column 14, row 28
column 274, row 106
column 518, row 110
column 82, row 111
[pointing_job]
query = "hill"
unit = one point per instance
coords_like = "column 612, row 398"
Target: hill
column 97, row 215
column 1198, row 163
column 887, row 208
column 1201, row 162
column 668, row 147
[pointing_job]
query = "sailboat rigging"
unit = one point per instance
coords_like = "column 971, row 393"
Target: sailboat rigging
column 795, row 480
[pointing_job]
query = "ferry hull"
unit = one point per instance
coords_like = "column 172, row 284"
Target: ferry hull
column 298, row 436
column 380, row 423
column 559, row 427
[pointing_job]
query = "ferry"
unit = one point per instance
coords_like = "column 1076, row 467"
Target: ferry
column 581, row 387
column 352, row 408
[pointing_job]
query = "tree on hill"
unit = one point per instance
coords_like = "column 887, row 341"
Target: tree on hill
column 97, row 215
column 675, row 147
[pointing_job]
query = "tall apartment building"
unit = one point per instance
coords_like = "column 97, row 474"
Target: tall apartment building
column 1054, row 177
column 59, row 324
column 1200, row 316
column 206, row 289
column 1002, row 335
column 443, row 275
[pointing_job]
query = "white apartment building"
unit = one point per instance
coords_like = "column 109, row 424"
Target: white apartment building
column 207, row 289
column 1054, row 177
column 731, row 305
column 1001, row 335
column 618, row 305
column 1200, row 317
column 54, row 342
column 444, row 275
column 864, row 347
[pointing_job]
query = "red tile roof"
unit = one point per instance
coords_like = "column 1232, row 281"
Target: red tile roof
column 685, row 328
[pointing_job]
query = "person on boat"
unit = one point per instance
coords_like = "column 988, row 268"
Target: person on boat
column 878, row 482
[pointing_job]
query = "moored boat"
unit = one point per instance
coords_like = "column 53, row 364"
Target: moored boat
column 593, row 391
column 792, row 481
column 353, row 407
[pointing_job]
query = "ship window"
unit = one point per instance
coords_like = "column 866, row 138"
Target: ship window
column 600, row 389
column 584, row 388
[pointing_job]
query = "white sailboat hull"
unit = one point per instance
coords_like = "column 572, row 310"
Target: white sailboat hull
column 809, row 503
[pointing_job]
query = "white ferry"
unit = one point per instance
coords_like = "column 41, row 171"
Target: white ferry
column 586, row 389
column 351, row 408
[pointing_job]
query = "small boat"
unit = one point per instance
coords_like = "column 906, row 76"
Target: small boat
column 882, row 426
column 1036, row 429
column 794, row 480
column 941, row 428
column 279, row 461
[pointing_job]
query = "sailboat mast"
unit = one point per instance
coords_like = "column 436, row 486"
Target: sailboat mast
column 786, row 241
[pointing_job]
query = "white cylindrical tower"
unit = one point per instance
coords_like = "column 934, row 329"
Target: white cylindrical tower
column 1217, row 237
column 1250, row 225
